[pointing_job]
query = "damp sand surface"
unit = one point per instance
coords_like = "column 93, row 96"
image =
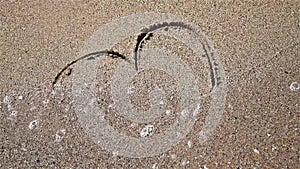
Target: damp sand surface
column 257, row 43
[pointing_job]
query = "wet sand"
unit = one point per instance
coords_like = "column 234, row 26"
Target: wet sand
column 257, row 43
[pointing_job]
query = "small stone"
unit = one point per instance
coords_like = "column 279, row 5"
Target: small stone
column 173, row 156
column 256, row 151
column 33, row 124
column 155, row 166
column 115, row 154
column 53, row 92
column 185, row 162
column 295, row 86
column 6, row 100
column 60, row 135
column 46, row 101
column 161, row 102
column 168, row 112
column 190, row 144
column 147, row 131
column 184, row 113
column 14, row 113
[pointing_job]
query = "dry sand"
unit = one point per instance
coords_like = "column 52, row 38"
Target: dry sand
column 257, row 43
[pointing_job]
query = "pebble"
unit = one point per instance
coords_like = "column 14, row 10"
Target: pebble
column 60, row 135
column 147, row 131
column 155, row 166
column 256, row 151
column 33, row 124
column 173, row 156
column 295, row 87
column 185, row 162
column 205, row 167
column 6, row 100
column 14, row 113
column 190, row 144
column 168, row 112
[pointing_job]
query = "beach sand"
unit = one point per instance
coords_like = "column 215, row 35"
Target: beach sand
column 257, row 42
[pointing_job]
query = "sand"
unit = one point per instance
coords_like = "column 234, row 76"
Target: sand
column 258, row 46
